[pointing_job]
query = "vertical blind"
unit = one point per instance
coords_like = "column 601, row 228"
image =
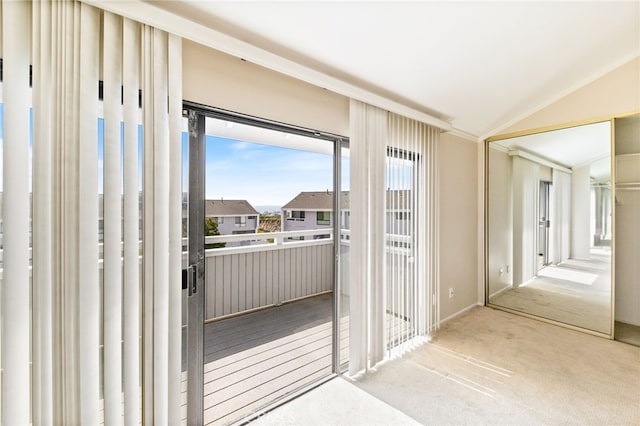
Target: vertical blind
column 74, row 305
column 15, row 239
column 412, row 233
column 525, row 220
column 367, row 143
column 560, row 216
column 394, row 235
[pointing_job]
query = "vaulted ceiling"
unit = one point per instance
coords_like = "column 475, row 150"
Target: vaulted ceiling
column 477, row 65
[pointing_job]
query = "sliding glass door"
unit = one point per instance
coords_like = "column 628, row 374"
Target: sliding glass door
column 262, row 263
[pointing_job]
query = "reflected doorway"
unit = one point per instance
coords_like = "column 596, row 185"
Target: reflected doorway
column 543, row 223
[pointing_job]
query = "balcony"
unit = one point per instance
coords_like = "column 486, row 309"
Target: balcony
column 253, row 359
column 266, row 270
column 268, row 320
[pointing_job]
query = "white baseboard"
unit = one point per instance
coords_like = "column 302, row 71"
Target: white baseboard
column 450, row 317
column 630, row 321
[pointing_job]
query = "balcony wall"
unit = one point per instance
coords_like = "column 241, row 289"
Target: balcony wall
column 240, row 279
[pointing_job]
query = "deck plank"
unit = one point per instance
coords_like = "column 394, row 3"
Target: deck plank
column 253, row 359
column 252, row 365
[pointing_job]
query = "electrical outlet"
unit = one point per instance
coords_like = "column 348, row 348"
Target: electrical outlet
column 451, row 293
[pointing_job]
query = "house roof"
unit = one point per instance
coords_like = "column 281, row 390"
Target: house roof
column 323, row 200
column 228, row 208
column 320, row 200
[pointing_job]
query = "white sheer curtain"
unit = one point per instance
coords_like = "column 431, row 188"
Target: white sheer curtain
column 71, row 47
column 394, row 235
column 560, row 216
column 367, row 144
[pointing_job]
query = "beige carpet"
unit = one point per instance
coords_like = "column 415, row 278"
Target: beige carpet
column 491, row 367
column 576, row 292
column 337, row 402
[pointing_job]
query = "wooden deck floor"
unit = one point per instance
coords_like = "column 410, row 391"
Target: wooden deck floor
column 254, row 359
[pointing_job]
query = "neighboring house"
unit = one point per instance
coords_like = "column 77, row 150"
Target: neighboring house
column 233, row 217
column 314, row 210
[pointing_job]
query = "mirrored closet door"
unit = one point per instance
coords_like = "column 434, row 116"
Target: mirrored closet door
column 563, row 227
column 549, row 225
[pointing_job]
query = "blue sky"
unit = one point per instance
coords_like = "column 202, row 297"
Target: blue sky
column 263, row 174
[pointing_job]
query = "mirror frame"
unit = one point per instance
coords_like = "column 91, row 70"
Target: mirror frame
column 611, row 118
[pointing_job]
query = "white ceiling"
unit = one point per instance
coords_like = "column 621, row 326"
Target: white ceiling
column 587, row 145
column 478, row 65
column 254, row 134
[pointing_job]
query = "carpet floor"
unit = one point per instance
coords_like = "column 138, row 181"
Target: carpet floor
column 485, row 367
column 576, row 292
column 491, row 367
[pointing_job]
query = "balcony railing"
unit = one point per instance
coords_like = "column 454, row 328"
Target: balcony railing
column 273, row 269
column 268, row 271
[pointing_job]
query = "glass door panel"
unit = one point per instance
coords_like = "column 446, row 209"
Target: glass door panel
column 267, row 225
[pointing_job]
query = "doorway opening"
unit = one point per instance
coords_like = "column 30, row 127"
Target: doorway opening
column 261, row 236
column 544, row 223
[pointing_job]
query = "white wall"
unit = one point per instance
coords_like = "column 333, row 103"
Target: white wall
column 310, row 221
column 500, row 221
column 228, row 225
column 611, row 94
column 214, row 78
column 627, row 135
column 581, row 212
column 627, row 235
column 458, row 162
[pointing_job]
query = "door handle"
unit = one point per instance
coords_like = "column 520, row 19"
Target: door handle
column 192, row 276
column 185, row 279
column 192, row 279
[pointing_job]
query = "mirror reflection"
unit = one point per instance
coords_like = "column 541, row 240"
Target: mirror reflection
column 549, row 225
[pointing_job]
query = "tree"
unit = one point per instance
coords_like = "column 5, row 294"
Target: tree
column 211, row 228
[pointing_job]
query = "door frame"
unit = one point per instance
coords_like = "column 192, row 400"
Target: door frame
column 195, row 269
column 197, row 114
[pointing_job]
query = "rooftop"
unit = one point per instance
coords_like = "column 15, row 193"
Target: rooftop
column 228, row 208
column 323, row 200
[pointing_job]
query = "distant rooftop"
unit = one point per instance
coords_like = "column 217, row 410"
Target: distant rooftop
column 323, row 200
column 224, row 207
